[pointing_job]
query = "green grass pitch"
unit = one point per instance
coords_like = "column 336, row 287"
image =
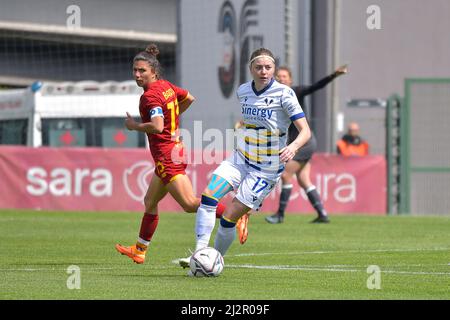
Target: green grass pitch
column 293, row 260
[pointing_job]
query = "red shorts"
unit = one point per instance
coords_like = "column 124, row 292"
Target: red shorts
column 169, row 167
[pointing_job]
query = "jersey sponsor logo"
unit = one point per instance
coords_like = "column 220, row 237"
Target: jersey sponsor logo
column 261, row 113
column 292, row 109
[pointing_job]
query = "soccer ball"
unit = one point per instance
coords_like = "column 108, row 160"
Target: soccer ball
column 206, row 262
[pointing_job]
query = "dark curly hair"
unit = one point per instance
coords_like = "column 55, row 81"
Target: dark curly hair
column 150, row 56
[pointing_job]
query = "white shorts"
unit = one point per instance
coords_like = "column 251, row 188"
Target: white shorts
column 250, row 185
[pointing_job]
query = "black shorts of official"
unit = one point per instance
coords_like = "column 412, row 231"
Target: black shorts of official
column 306, row 152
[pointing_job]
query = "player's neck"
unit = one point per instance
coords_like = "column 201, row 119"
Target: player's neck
column 149, row 84
column 259, row 87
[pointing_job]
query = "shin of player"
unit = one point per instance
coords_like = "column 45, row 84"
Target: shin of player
column 206, row 217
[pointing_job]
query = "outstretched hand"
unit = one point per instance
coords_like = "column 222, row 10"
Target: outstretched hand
column 342, row 70
column 129, row 122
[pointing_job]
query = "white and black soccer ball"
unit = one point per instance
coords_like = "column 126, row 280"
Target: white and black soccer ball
column 206, row 262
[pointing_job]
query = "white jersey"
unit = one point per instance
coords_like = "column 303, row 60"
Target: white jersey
column 267, row 115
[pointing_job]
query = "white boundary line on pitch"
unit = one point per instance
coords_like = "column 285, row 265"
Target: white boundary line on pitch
column 83, row 268
column 330, row 268
column 336, row 251
column 326, row 268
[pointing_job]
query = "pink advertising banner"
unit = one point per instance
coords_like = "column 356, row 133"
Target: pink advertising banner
column 91, row 179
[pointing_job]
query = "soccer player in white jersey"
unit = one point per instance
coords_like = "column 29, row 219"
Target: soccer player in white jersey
column 268, row 108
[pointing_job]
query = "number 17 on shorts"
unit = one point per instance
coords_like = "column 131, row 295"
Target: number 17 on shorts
column 254, row 189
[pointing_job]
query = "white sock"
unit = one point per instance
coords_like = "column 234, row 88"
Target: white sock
column 224, row 239
column 204, row 225
column 144, row 242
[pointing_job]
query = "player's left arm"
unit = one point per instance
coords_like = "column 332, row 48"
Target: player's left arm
column 307, row 90
column 288, row 152
column 186, row 102
column 291, row 106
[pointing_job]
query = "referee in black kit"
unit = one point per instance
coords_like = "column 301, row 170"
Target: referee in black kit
column 300, row 165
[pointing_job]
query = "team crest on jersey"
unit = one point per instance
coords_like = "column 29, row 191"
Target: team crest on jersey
column 268, row 102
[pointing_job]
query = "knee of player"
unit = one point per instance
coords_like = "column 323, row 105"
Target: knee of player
column 304, row 180
column 208, row 192
column 286, row 177
column 190, row 205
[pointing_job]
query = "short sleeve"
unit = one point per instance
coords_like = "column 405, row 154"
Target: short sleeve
column 181, row 93
column 151, row 101
column 290, row 104
column 152, row 106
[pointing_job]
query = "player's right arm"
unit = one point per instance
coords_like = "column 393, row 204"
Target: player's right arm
column 156, row 125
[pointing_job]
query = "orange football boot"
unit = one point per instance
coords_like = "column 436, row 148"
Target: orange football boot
column 242, row 227
column 133, row 253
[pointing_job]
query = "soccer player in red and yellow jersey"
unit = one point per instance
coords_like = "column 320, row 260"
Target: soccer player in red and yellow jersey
column 160, row 107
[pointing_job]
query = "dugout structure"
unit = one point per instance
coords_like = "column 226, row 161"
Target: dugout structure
column 418, row 148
